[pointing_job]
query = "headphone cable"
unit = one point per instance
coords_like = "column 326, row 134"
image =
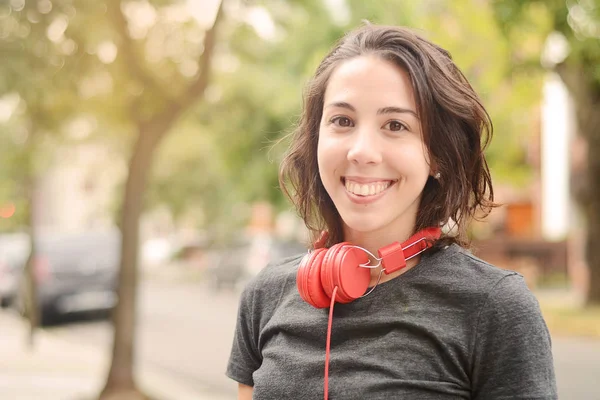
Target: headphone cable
column 328, row 344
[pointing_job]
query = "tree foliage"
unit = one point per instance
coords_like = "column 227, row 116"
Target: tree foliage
column 576, row 24
column 141, row 66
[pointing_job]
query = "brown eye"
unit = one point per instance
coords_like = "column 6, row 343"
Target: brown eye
column 396, row 126
column 343, row 122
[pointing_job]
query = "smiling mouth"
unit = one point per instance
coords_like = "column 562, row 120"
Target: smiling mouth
column 367, row 189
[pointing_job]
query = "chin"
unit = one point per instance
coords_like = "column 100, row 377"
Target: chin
column 363, row 224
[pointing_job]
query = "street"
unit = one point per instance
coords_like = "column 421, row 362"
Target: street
column 185, row 330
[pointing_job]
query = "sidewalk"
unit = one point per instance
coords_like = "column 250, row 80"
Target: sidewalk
column 59, row 370
column 559, row 297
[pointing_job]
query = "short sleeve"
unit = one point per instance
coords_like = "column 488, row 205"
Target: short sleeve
column 512, row 355
column 245, row 357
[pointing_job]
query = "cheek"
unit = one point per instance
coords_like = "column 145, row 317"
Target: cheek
column 425, row 154
column 427, row 158
column 412, row 161
column 320, row 151
column 326, row 157
column 322, row 159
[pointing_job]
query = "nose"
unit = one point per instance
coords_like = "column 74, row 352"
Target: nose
column 364, row 148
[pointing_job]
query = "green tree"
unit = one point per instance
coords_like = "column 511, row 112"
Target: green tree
column 35, row 76
column 136, row 67
column 578, row 23
column 254, row 98
column 151, row 114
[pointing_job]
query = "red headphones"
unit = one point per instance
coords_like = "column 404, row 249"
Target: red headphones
column 342, row 266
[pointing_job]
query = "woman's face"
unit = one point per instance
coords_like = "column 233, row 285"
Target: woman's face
column 372, row 159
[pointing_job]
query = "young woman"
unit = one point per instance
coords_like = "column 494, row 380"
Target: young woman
column 390, row 148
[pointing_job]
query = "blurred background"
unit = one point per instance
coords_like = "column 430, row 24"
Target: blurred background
column 139, row 150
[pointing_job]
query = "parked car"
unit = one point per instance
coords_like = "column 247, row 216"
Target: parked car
column 75, row 273
column 14, row 250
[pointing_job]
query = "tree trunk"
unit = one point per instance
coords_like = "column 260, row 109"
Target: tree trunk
column 586, row 96
column 30, row 297
column 592, row 211
column 120, row 384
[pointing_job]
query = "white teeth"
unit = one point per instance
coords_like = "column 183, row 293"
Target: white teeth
column 366, row 189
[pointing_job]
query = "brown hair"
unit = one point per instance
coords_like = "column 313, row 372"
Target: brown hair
column 455, row 125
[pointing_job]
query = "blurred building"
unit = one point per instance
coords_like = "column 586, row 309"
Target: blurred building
column 538, row 231
column 77, row 191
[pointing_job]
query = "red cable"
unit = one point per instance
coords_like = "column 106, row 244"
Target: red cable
column 327, row 346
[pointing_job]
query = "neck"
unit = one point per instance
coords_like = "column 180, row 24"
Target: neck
column 373, row 241
column 376, row 272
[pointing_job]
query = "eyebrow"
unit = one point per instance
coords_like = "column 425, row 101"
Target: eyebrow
column 381, row 111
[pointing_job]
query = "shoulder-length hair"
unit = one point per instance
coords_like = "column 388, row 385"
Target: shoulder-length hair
column 456, row 130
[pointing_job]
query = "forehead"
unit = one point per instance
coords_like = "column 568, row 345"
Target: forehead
column 370, row 81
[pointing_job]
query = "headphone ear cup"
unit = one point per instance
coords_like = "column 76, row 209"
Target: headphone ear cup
column 308, row 279
column 323, row 269
column 328, row 268
column 351, row 279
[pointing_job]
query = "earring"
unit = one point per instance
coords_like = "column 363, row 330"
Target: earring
column 437, row 175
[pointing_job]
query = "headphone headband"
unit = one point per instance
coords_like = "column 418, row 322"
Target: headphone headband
column 394, row 255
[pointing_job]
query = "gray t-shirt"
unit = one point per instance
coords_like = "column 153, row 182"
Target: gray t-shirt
column 452, row 327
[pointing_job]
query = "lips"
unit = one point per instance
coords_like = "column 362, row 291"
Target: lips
column 366, row 187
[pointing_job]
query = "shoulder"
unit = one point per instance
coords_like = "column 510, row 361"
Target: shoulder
column 456, row 277
column 511, row 300
column 504, row 285
column 275, row 274
column 464, row 272
column 504, row 297
column 511, row 347
column 264, row 292
column 467, row 262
